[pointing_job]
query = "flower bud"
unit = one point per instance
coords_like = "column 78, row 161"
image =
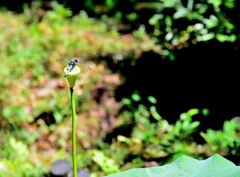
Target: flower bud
column 72, row 75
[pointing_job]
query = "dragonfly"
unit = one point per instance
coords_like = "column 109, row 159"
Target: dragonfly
column 85, row 65
column 71, row 65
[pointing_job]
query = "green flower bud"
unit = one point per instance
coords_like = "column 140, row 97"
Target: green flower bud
column 72, row 75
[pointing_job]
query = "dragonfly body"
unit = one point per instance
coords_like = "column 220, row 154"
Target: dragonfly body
column 71, row 65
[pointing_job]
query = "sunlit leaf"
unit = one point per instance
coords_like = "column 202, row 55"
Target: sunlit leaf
column 187, row 167
column 136, row 97
column 181, row 13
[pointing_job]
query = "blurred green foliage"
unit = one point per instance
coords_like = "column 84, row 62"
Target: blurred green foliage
column 34, row 119
column 227, row 140
column 192, row 22
column 176, row 24
column 153, row 137
column 19, row 160
column 172, row 24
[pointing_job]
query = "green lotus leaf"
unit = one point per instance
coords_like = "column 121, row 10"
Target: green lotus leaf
column 215, row 166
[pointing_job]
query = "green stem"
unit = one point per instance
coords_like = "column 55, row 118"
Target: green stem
column 74, row 152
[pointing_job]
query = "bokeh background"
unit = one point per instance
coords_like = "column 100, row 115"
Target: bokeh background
column 159, row 79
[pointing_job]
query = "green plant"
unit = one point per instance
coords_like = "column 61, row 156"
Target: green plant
column 225, row 141
column 160, row 139
column 186, row 126
column 153, row 137
column 178, row 24
column 142, row 115
column 71, row 78
column 107, row 164
column 18, row 160
column 187, row 167
column 74, row 143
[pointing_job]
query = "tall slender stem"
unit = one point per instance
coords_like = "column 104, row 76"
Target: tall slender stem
column 74, row 152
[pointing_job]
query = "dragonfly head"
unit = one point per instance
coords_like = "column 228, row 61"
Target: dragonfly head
column 75, row 61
